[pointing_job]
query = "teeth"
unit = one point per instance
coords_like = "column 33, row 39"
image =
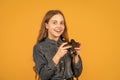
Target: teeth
column 58, row 30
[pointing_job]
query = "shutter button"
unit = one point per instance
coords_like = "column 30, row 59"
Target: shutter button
column 61, row 61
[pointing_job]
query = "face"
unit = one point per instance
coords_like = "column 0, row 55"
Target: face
column 55, row 26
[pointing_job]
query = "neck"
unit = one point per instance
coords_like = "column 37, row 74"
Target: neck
column 56, row 39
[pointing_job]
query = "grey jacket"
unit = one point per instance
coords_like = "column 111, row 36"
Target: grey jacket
column 43, row 53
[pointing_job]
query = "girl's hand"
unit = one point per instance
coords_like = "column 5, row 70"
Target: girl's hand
column 76, row 56
column 63, row 49
column 77, row 50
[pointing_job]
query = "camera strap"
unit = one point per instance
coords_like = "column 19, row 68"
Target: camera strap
column 73, row 63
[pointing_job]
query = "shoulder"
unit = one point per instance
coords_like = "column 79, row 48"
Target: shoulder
column 38, row 46
column 37, row 50
column 41, row 46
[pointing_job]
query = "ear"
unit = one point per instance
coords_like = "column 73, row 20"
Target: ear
column 46, row 25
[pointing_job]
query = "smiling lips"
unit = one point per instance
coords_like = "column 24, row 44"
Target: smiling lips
column 58, row 30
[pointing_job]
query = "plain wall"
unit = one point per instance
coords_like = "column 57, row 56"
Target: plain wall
column 94, row 23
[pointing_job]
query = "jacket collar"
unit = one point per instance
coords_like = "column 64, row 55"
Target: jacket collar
column 59, row 42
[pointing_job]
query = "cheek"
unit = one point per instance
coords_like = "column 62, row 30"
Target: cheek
column 48, row 27
column 63, row 27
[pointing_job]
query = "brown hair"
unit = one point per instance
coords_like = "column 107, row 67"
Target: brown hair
column 43, row 33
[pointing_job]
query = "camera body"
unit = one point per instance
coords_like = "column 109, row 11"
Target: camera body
column 74, row 44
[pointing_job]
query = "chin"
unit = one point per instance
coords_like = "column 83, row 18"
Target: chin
column 57, row 35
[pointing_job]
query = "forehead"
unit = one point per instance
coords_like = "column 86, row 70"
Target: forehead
column 57, row 17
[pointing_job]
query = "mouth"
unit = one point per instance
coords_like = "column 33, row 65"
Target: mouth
column 58, row 30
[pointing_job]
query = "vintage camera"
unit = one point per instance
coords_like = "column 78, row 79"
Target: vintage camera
column 74, row 44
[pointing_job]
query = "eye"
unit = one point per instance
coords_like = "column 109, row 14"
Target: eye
column 62, row 23
column 54, row 22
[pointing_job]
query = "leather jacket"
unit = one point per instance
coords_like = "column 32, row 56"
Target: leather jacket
column 44, row 51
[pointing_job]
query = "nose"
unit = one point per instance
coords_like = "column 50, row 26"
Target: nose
column 58, row 25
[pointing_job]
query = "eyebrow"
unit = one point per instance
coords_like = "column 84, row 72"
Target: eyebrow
column 56, row 20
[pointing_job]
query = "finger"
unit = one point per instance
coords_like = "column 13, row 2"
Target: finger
column 77, row 48
column 67, row 47
column 65, row 51
column 63, row 44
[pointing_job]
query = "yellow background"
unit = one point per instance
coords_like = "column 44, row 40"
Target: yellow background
column 94, row 23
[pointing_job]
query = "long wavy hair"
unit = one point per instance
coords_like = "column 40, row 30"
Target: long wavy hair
column 43, row 33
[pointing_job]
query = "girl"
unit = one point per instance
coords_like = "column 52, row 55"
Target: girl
column 52, row 59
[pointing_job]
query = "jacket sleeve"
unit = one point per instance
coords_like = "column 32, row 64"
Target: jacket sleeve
column 44, row 68
column 77, row 68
